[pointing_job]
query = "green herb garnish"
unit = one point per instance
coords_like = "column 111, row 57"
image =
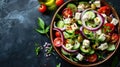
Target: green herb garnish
column 42, row 29
column 58, row 65
column 37, row 49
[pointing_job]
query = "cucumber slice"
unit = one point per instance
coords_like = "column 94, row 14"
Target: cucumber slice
column 111, row 47
column 91, row 51
column 70, row 31
column 79, row 22
column 85, row 50
column 91, row 14
column 64, row 52
column 76, row 45
column 72, row 6
column 67, row 35
column 60, row 24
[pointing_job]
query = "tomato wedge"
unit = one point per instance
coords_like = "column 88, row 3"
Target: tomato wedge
column 67, row 12
column 92, row 58
column 105, row 9
column 57, row 34
column 108, row 28
column 57, row 42
column 114, row 38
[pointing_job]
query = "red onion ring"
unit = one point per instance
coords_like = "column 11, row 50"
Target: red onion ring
column 69, row 51
column 99, row 26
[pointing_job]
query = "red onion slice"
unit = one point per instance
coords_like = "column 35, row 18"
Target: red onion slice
column 69, row 51
column 96, row 28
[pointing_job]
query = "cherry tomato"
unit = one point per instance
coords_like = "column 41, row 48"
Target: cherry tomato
column 67, row 12
column 59, row 2
column 114, row 38
column 57, row 42
column 92, row 58
column 42, row 8
column 108, row 28
column 105, row 9
column 57, row 34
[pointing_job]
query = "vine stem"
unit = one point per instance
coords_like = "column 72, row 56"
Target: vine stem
column 47, row 35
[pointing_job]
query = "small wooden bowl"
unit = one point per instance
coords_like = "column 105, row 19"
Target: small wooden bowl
column 58, row 49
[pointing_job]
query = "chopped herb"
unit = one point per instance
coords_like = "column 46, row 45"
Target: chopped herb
column 42, row 29
column 50, row 49
column 58, row 65
column 37, row 49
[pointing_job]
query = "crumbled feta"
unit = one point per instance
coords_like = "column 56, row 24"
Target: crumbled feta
column 86, row 17
column 77, row 15
column 69, row 46
column 79, row 57
column 67, row 20
column 114, row 21
column 103, row 46
column 105, row 22
column 81, row 7
column 98, row 32
column 86, row 43
column 74, row 26
column 97, row 4
column 102, row 37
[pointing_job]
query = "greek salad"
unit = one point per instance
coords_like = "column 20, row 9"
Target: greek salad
column 85, row 31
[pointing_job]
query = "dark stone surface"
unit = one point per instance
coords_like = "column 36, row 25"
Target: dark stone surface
column 18, row 20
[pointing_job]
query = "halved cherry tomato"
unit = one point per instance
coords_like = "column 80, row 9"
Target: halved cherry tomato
column 108, row 28
column 105, row 10
column 57, row 34
column 92, row 58
column 57, row 42
column 67, row 12
column 114, row 38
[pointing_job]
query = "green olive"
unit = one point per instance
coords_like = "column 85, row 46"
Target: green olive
column 93, row 6
column 80, row 38
column 94, row 46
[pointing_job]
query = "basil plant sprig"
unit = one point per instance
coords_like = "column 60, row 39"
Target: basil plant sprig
column 42, row 29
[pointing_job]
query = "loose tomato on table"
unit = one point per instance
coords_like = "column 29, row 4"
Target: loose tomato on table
column 114, row 38
column 59, row 2
column 67, row 12
column 92, row 58
column 105, row 9
column 57, row 42
column 108, row 28
column 42, row 8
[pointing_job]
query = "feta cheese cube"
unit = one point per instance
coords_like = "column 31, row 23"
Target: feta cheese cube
column 81, row 7
column 67, row 20
column 103, row 46
column 79, row 57
column 98, row 32
column 102, row 37
column 77, row 15
column 114, row 21
column 69, row 46
column 97, row 4
column 86, row 43
column 74, row 26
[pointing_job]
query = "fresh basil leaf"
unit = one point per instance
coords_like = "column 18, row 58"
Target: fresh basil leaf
column 41, row 23
column 47, row 29
column 41, row 31
column 58, row 65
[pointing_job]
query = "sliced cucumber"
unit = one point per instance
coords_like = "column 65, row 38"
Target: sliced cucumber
column 111, row 47
column 76, row 45
column 64, row 52
column 70, row 41
column 72, row 6
column 79, row 22
column 67, row 35
column 69, row 46
column 60, row 24
column 90, row 14
column 85, row 50
column 70, row 31
column 92, row 51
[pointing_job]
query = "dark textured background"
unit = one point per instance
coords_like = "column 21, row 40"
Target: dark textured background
column 18, row 20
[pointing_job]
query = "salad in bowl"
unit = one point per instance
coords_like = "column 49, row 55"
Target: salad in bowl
column 85, row 33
